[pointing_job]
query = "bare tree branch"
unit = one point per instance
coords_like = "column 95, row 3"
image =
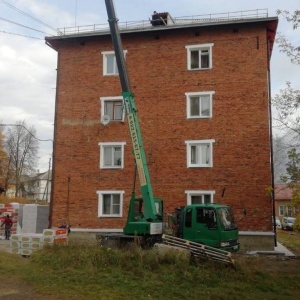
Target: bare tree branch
column 22, row 149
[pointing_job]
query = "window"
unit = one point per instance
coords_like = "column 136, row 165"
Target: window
column 110, row 203
column 200, row 197
column 289, row 211
column 281, row 210
column 226, row 218
column 199, row 57
column 109, row 63
column 199, row 153
column 199, row 105
column 188, row 218
column 113, row 107
column 206, row 216
column 112, row 155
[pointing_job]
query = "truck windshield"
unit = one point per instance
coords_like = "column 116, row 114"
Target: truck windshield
column 226, row 218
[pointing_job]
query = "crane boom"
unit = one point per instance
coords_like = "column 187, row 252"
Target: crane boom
column 151, row 212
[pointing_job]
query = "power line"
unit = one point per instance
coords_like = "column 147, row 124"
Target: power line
column 23, row 25
column 27, row 36
column 20, row 125
column 27, row 15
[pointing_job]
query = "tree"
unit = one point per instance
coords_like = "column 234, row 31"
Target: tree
column 287, row 102
column 293, row 167
column 293, row 180
column 22, row 148
column 2, row 151
column 285, row 45
column 281, row 147
column 279, row 157
column 3, row 159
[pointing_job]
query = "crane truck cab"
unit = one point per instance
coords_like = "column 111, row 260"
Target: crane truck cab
column 209, row 224
column 139, row 223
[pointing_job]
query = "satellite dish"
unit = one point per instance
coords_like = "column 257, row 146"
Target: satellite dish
column 105, row 119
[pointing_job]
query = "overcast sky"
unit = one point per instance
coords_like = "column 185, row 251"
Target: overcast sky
column 27, row 64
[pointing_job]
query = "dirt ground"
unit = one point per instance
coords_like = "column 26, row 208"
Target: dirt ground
column 12, row 288
column 16, row 289
column 272, row 264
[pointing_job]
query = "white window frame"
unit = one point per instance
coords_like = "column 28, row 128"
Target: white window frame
column 107, row 54
column 104, row 100
column 199, row 48
column 100, row 203
column 111, row 144
column 199, row 193
column 281, row 210
column 196, row 143
column 198, row 94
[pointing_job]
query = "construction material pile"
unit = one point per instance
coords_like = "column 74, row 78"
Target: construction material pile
column 12, row 210
column 27, row 243
column 198, row 250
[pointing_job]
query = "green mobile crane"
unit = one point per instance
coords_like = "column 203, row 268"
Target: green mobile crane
column 145, row 214
column 209, row 224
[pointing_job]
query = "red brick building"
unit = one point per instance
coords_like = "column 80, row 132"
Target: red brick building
column 202, row 92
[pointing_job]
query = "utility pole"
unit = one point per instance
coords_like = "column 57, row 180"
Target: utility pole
column 47, row 184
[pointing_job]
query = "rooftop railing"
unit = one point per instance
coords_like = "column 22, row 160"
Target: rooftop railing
column 146, row 24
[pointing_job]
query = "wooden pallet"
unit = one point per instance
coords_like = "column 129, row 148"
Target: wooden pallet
column 199, row 250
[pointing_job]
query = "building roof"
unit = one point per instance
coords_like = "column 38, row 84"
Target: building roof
column 283, row 192
column 44, row 176
column 169, row 23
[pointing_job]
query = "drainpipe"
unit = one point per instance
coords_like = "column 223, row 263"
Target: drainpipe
column 271, row 144
column 54, row 139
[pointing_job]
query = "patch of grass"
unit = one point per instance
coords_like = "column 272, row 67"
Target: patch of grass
column 91, row 272
column 290, row 239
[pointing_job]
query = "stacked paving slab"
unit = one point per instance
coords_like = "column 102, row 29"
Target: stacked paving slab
column 27, row 243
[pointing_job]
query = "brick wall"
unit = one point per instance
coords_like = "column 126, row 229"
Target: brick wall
column 157, row 67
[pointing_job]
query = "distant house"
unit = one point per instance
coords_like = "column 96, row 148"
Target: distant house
column 10, row 191
column 38, row 187
column 11, row 187
column 283, row 197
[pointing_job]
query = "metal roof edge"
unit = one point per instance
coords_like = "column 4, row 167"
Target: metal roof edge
column 161, row 28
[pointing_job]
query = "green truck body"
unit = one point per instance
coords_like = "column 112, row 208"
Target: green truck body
column 209, row 224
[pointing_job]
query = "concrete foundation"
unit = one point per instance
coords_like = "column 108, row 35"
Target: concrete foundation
column 256, row 241
column 250, row 241
column 83, row 238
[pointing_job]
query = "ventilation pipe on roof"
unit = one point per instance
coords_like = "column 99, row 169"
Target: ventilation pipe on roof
column 161, row 19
